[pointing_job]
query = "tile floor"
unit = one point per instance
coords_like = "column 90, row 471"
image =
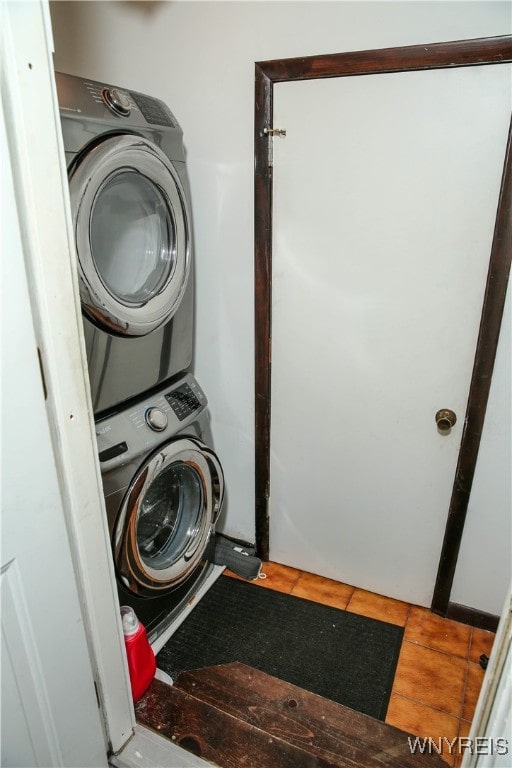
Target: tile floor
column 438, row 677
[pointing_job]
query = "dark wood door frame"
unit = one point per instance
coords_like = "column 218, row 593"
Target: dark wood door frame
column 464, row 53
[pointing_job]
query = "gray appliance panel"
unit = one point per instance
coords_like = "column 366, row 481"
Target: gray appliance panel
column 83, row 97
column 125, row 439
column 122, row 368
column 85, row 116
column 157, row 356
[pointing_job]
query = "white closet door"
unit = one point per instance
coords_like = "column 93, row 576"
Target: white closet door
column 385, row 195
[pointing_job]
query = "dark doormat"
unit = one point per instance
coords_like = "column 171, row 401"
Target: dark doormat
column 344, row 657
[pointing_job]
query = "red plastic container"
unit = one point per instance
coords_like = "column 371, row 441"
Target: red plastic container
column 141, row 659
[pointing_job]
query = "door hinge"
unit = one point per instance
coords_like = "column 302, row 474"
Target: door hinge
column 271, row 132
column 274, row 131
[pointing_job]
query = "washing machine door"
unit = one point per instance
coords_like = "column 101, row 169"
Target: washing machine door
column 131, row 227
column 167, row 516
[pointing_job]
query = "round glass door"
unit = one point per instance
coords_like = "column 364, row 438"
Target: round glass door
column 132, row 235
column 167, row 516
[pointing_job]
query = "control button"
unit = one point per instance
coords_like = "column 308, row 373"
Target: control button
column 116, row 101
column 111, row 453
column 156, row 419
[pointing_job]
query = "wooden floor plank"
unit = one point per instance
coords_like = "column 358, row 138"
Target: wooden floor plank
column 321, row 726
column 218, row 737
column 234, row 715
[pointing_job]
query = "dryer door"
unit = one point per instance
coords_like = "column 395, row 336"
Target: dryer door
column 131, row 227
column 167, row 516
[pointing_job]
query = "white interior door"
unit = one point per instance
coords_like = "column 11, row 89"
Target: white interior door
column 385, row 196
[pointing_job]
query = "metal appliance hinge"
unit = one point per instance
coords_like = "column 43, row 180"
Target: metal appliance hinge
column 271, row 132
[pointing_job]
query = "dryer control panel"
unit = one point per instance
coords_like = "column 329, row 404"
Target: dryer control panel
column 147, row 423
column 91, row 99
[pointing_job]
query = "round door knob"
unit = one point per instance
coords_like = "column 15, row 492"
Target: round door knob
column 445, row 420
column 156, row 419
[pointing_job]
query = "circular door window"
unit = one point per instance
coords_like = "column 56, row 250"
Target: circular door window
column 167, row 516
column 132, row 235
column 132, row 238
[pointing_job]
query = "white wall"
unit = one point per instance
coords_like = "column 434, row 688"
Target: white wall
column 199, row 58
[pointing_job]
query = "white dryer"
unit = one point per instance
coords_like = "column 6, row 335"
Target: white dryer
column 130, row 207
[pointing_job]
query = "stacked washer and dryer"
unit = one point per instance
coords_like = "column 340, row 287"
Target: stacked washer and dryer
column 162, row 481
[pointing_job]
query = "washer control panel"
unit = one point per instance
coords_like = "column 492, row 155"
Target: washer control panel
column 144, row 425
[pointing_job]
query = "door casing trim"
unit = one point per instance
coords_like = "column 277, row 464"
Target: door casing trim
column 461, row 53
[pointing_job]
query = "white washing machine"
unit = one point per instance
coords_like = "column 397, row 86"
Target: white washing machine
column 164, row 487
column 130, row 206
